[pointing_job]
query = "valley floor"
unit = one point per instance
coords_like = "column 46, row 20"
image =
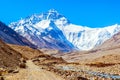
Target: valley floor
column 45, row 67
column 41, row 66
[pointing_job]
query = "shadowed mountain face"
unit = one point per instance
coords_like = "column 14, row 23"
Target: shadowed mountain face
column 9, row 58
column 10, row 36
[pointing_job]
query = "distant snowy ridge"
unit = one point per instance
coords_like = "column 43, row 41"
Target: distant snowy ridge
column 53, row 30
column 86, row 38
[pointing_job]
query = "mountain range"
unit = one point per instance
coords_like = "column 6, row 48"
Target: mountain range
column 53, row 30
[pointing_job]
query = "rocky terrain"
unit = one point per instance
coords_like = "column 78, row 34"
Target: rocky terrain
column 33, row 72
column 25, row 63
column 17, row 64
column 78, row 71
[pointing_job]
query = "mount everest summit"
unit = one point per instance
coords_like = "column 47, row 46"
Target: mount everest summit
column 53, row 30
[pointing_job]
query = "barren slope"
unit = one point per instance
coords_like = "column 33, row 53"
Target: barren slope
column 26, row 51
column 9, row 58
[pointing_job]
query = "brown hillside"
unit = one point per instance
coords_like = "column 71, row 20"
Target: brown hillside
column 9, row 58
column 26, row 51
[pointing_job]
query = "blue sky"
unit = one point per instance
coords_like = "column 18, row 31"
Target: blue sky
column 91, row 13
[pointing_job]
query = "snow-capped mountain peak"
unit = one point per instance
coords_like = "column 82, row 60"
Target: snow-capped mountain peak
column 53, row 14
column 42, row 31
column 53, row 30
column 53, row 11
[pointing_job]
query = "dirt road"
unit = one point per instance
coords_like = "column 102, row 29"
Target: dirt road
column 33, row 72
